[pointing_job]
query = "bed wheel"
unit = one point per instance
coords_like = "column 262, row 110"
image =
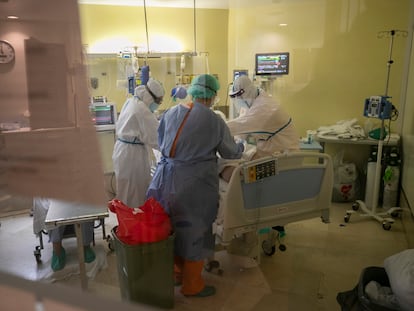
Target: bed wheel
column 268, row 249
column 213, row 264
column 386, row 226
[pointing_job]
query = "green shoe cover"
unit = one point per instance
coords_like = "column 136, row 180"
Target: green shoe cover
column 89, row 254
column 58, row 262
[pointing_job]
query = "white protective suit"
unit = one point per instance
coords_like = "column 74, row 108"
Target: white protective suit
column 265, row 121
column 136, row 131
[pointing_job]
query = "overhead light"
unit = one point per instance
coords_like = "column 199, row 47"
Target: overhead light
column 12, row 17
column 283, row 24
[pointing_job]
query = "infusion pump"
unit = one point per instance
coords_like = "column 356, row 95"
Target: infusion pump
column 378, row 107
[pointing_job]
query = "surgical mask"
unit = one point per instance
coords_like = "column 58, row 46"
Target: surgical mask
column 153, row 107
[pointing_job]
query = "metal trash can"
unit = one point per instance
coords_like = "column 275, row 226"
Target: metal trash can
column 146, row 271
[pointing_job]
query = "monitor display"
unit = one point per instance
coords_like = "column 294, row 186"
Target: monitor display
column 240, row 72
column 103, row 114
column 272, row 64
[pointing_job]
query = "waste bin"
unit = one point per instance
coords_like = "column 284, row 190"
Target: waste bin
column 146, row 271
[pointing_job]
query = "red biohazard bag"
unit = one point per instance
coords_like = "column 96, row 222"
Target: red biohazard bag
column 148, row 223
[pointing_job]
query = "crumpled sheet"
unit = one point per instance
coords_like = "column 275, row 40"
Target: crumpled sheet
column 344, row 129
column 381, row 295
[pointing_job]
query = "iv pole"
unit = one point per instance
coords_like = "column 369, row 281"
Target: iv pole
column 384, row 216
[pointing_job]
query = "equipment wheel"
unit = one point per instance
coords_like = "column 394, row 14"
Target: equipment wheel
column 282, row 247
column 355, row 206
column 268, row 249
column 386, row 226
column 37, row 254
column 214, row 264
column 110, row 243
column 347, row 217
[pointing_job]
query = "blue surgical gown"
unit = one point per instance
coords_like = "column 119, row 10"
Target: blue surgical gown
column 187, row 185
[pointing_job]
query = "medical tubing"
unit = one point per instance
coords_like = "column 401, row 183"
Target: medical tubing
column 134, row 142
column 271, row 134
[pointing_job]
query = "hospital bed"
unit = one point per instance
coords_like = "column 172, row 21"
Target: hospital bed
column 271, row 192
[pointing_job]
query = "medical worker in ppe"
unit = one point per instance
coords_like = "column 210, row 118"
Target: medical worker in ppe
column 40, row 208
column 186, row 181
column 136, row 132
column 261, row 120
column 178, row 94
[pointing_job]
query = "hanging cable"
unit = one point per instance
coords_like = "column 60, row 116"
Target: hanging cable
column 195, row 27
column 146, row 29
column 207, row 64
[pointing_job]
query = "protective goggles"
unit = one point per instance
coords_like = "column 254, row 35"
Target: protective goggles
column 239, row 93
column 157, row 100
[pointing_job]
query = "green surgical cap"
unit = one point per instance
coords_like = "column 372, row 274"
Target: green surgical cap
column 204, row 86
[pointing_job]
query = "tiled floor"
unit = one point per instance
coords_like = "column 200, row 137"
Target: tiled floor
column 320, row 261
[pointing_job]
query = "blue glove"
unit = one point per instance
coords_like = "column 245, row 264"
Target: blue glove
column 241, row 142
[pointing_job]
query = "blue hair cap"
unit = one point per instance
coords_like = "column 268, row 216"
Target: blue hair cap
column 179, row 92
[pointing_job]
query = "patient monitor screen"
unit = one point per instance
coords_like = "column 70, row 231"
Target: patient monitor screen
column 103, row 114
column 272, row 64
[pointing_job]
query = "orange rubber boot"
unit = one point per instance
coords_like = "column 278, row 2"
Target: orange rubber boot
column 193, row 283
column 178, row 270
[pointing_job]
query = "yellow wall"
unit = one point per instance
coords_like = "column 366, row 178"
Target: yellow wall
column 407, row 181
column 337, row 59
column 123, row 26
